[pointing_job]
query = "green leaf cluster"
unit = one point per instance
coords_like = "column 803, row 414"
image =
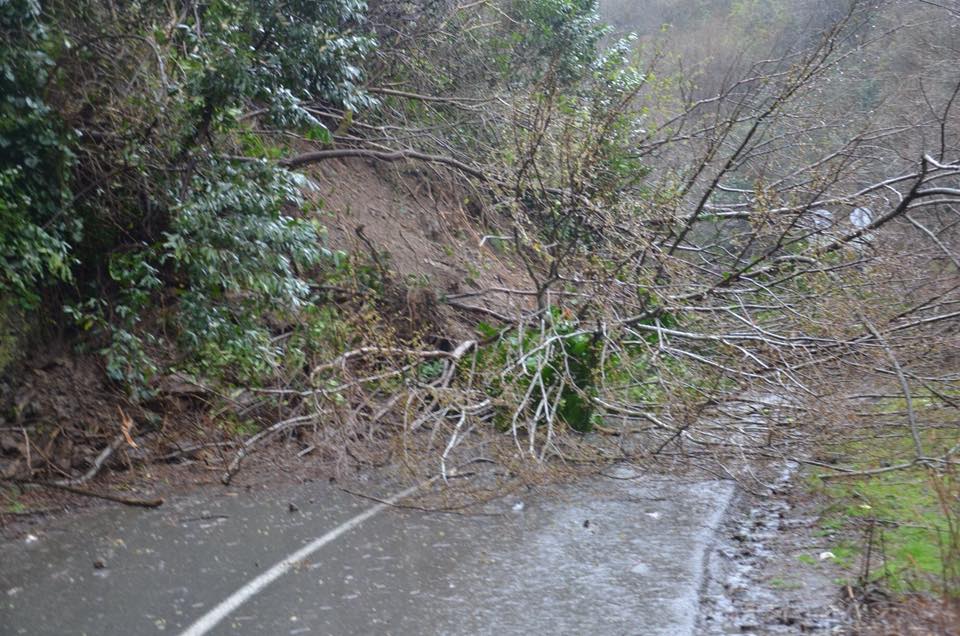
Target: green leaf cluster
column 35, row 160
column 120, row 181
column 568, row 364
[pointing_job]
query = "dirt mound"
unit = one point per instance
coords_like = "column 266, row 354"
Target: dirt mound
column 423, row 225
column 57, row 415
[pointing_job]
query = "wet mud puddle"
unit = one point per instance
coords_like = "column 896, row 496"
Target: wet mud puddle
column 756, row 582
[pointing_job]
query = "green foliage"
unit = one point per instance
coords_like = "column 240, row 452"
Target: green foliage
column 586, row 140
column 113, row 125
column 616, row 128
column 562, row 359
column 239, row 258
column 230, row 238
column 35, row 160
column 562, row 33
column 278, row 53
column 580, row 357
column 14, row 328
column 430, row 371
column 909, row 526
column 126, row 352
column 907, row 518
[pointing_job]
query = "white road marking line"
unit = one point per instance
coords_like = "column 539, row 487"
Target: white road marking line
column 211, row 619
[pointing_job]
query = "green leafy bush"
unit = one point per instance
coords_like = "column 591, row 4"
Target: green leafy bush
column 563, row 361
column 35, row 160
column 116, row 132
column 563, row 33
column 238, row 259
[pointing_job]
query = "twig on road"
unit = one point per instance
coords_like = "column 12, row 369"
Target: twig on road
column 127, row 501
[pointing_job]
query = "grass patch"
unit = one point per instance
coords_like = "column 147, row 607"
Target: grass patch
column 785, row 584
column 904, row 520
column 806, row 559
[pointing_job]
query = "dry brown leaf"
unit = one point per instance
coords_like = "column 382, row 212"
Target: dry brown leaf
column 126, row 424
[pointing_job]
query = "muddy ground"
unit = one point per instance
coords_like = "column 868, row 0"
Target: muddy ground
column 756, row 582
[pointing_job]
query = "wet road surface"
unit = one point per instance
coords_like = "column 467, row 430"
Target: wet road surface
column 603, row 556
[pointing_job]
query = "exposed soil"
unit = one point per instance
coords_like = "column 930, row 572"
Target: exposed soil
column 426, row 226
column 59, row 412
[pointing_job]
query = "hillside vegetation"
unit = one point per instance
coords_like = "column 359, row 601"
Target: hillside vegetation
column 436, row 232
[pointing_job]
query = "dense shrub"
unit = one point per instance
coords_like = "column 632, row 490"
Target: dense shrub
column 35, row 159
column 117, row 128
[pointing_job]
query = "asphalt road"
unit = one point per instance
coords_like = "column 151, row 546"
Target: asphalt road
column 604, row 556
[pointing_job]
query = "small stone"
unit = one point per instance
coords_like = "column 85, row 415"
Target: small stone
column 292, row 507
column 640, row 568
column 586, row 523
column 99, row 564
